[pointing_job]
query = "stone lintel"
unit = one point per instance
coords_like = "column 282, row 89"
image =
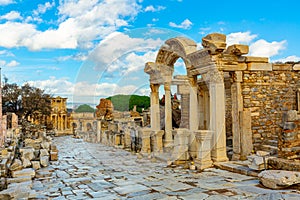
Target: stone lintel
column 296, row 67
column 237, row 49
column 253, row 66
column 283, row 67
column 256, row 59
column 238, row 67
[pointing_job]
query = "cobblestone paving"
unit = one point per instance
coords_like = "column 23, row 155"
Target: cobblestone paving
column 95, row 171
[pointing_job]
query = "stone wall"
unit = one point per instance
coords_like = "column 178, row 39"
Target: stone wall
column 268, row 94
column 289, row 139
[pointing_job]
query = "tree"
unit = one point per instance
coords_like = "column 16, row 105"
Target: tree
column 25, row 101
column 84, row 108
column 127, row 102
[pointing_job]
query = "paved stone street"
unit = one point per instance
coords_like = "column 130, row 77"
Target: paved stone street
column 86, row 171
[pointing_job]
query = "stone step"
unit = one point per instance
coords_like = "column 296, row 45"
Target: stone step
column 272, row 149
column 232, row 166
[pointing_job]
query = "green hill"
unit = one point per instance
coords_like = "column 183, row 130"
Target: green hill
column 84, row 108
column 126, row 102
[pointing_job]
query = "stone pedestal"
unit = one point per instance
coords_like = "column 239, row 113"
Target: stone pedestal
column 127, row 140
column 146, row 141
column 157, row 141
column 117, row 139
column 203, row 138
column 181, row 145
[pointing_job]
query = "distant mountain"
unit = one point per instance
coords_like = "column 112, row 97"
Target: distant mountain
column 126, row 102
column 84, row 108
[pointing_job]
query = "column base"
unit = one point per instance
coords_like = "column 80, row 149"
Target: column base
column 168, row 145
column 219, row 155
column 203, row 164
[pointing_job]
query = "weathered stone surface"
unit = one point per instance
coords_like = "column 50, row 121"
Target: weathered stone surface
column 253, row 66
column 44, row 161
column 26, row 162
column 27, row 153
column 16, row 165
column 54, row 155
column 256, row 59
column 296, row 67
column 215, row 42
column 45, row 145
column 278, row 179
column 292, row 115
column 36, row 164
column 237, row 49
column 24, row 172
column 105, row 109
column 19, row 179
column 44, row 152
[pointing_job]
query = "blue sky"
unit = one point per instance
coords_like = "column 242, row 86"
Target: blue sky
column 88, row 49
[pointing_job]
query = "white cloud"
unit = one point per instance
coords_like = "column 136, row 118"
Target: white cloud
column 118, row 45
column 12, row 63
column 6, row 53
column 15, row 34
column 288, row 59
column 266, row 49
column 151, row 8
column 6, row 2
column 81, row 91
column 186, row 24
column 42, row 8
column 80, row 23
column 12, row 15
column 240, row 38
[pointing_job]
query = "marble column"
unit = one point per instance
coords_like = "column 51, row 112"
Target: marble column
column 184, row 92
column 217, row 115
column 146, row 141
column 193, row 104
column 168, row 116
column 203, row 138
column 155, row 113
column 237, row 107
column 98, row 131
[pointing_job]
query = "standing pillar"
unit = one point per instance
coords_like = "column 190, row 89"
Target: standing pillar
column 237, row 107
column 193, row 104
column 217, row 115
column 155, row 113
column 168, row 116
column 184, row 92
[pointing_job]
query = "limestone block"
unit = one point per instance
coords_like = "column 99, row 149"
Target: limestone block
column 27, row 153
column 253, row 66
column 278, row 179
column 292, row 115
column 256, row 59
column 215, row 42
column 237, row 49
column 289, row 126
column 257, row 162
column 237, row 67
column 53, row 147
column 53, row 155
column 282, row 67
column 16, row 165
column 45, row 145
column 296, row 67
column 24, row 172
column 44, row 161
column 44, row 152
column 26, row 162
column 19, row 179
column 4, row 152
column 35, row 165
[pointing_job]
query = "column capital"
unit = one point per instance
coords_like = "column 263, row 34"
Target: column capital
column 214, row 76
column 154, row 87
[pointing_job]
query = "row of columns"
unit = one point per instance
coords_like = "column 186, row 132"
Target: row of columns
column 215, row 82
column 59, row 121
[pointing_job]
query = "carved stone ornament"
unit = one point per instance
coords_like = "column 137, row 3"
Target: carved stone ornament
column 214, row 76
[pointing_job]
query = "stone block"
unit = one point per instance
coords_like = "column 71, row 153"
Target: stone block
column 256, row 59
column 292, row 115
column 19, row 179
column 26, row 162
column 44, row 161
column 282, row 67
column 253, row 66
column 24, row 172
column 237, row 49
column 279, row 179
column 44, row 152
column 289, row 126
column 45, row 145
column 54, row 155
column 296, row 67
column 36, row 165
column 16, row 165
